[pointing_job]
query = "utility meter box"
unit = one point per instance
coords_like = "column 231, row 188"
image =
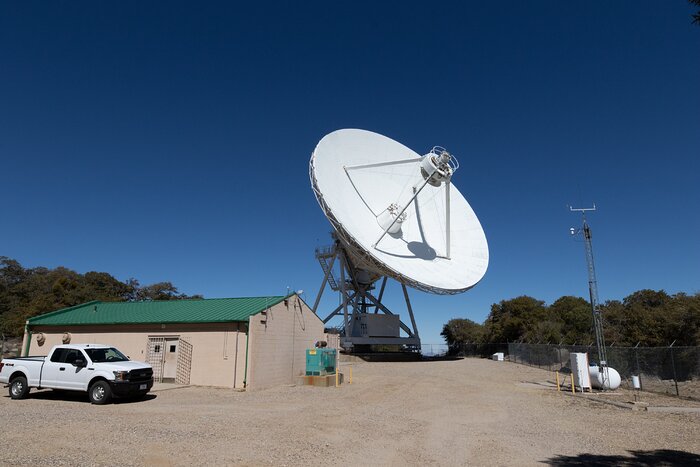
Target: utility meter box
column 320, row 361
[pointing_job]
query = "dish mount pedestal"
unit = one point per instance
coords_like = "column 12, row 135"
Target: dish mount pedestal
column 366, row 320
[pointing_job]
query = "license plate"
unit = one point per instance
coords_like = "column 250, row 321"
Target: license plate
column 143, row 386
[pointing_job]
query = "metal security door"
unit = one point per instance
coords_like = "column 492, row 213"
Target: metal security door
column 156, row 357
column 184, row 362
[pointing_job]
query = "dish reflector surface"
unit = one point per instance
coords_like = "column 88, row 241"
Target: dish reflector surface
column 359, row 177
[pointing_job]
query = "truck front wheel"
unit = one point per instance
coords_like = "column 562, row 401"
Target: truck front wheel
column 100, row 393
column 19, row 387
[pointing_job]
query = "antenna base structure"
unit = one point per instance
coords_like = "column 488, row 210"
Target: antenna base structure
column 366, row 320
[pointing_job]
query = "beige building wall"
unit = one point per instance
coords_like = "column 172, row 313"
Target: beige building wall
column 278, row 340
column 218, row 350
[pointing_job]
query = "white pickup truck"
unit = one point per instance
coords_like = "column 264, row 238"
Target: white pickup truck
column 101, row 370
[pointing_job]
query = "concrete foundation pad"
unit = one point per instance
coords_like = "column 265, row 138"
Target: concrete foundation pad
column 691, row 410
column 320, row 381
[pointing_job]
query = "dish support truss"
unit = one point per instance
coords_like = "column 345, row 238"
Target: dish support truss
column 359, row 305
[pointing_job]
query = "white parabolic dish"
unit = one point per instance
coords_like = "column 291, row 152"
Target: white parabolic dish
column 357, row 175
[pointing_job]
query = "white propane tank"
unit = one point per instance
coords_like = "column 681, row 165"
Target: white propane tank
column 613, row 382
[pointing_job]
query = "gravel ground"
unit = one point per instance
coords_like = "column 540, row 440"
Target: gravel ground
column 463, row 412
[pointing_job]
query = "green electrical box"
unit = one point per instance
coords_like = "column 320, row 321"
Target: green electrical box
column 320, row 361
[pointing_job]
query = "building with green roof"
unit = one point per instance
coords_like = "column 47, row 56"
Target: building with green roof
column 248, row 342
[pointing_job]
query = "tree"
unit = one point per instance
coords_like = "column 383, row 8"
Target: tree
column 25, row 293
column 459, row 331
column 696, row 16
column 683, row 324
column 576, row 318
column 515, row 319
column 648, row 317
column 161, row 291
column 615, row 323
column 644, row 313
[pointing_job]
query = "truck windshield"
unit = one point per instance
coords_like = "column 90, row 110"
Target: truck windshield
column 105, row 355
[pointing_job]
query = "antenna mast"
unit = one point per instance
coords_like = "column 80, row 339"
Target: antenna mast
column 593, row 292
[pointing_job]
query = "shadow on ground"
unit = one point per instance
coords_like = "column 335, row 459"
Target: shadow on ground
column 441, row 358
column 661, row 457
column 75, row 396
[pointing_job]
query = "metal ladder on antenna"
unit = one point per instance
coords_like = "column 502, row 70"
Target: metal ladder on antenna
column 324, row 256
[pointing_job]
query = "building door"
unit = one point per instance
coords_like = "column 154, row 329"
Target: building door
column 170, row 359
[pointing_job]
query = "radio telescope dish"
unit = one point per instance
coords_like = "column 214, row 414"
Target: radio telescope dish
column 365, row 181
column 396, row 215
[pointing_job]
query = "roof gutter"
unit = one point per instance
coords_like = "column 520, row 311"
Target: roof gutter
column 245, row 372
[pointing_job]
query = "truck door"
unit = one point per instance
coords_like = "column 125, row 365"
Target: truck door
column 51, row 368
column 71, row 376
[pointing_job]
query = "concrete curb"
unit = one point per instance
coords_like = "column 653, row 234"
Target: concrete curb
column 622, row 405
column 684, row 410
column 158, row 387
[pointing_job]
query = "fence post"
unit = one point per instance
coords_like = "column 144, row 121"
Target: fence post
column 673, row 366
column 513, row 351
column 559, row 353
column 639, row 370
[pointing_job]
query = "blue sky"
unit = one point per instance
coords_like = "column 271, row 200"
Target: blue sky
column 170, row 141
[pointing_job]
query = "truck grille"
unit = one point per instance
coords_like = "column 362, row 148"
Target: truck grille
column 143, row 374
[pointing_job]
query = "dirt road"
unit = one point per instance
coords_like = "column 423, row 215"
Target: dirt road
column 465, row 412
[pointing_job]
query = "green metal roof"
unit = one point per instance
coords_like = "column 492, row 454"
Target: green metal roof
column 213, row 310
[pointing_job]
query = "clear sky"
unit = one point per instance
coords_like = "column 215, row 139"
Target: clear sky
column 170, row 141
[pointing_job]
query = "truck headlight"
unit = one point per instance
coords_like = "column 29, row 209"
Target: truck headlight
column 120, row 375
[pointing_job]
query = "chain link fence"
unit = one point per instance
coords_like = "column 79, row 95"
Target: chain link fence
column 478, row 350
column 433, row 350
column 667, row 370
column 9, row 346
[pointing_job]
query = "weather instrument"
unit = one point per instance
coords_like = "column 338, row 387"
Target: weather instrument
column 395, row 214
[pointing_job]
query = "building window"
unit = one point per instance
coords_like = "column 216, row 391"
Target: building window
column 156, row 348
column 172, row 348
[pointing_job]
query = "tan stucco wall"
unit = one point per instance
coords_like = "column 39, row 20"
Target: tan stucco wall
column 218, row 350
column 278, row 343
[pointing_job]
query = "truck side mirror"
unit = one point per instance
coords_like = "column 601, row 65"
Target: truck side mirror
column 80, row 363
